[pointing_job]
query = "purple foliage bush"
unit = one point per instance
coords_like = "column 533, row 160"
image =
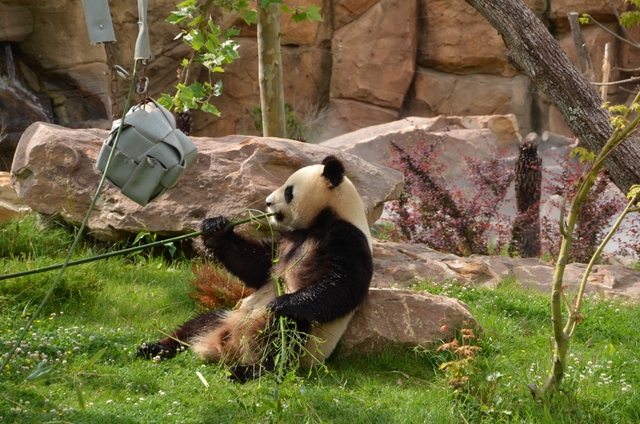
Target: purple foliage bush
column 448, row 219
column 603, row 204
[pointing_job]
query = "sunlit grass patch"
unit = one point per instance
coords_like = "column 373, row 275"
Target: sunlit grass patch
column 77, row 363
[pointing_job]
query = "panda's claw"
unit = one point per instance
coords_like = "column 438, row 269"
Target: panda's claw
column 213, row 228
column 282, row 306
column 279, row 305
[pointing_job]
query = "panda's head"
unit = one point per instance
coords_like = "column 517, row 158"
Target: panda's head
column 313, row 188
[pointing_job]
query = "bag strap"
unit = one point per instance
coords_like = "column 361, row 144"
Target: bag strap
column 143, row 48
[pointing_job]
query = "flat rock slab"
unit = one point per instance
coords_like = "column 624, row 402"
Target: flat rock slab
column 401, row 265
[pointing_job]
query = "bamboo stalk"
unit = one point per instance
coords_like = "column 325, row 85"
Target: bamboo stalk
column 570, row 327
column 125, row 251
column 562, row 332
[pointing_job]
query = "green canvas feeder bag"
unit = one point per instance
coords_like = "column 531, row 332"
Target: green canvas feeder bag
column 150, row 155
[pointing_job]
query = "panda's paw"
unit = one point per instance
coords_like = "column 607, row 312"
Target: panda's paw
column 213, row 228
column 155, row 351
column 282, row 306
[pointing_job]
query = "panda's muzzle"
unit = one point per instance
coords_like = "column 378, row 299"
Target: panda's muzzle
column 278, row 215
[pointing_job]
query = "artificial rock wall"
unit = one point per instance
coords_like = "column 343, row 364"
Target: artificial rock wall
column 369, row 62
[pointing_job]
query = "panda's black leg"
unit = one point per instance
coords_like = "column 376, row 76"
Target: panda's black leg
column 243, row 373
column 168, row 347
column 161, row 350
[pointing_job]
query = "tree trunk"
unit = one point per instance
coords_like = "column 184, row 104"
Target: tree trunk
column 526, row 227
column 270, row 72
column 533, row 50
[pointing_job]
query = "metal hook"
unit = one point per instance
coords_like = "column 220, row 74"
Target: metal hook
column 142, row 85
column 122, row 73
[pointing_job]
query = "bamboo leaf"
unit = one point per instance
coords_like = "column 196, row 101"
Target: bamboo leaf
column 95, row 358
column 40, row 371
column 80, row 397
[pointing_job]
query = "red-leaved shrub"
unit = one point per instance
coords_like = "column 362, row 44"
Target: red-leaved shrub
column 603, row 203
column 448, row 219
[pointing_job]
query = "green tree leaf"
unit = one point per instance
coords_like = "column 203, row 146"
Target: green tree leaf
column 197, row 90
column 266, row 3
column 313, row 12
column 209, row 108
column 166, row 101
column 629, row 19
column 583, row 154
column 196, row 40
column 585, row 19
column 633, row 191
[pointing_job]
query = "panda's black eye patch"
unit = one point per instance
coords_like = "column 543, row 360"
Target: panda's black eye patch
column 288, row 194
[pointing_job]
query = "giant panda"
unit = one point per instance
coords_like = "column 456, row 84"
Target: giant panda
column 322, row 254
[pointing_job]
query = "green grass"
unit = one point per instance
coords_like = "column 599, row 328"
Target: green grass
column 81, row 352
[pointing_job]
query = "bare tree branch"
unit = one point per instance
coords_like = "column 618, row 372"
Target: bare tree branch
column 628, row 80
column 624, row 28
column 629, row 40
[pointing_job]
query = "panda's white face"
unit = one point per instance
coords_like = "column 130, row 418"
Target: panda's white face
column 310, row 190
column 299, row 199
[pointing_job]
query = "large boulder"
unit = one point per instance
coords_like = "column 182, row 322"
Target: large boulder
column 404, row 318
column 372, row 143
column 445, row 46
column 470, row 136
column 346, row 116
column 599, row 9
column 54, row 173
column 395, row 316
column 438, row 93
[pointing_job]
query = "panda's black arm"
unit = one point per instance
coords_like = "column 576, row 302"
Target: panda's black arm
column 340, row 276
column 247, row 258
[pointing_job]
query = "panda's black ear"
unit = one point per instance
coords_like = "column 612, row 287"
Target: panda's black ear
column 333, row 171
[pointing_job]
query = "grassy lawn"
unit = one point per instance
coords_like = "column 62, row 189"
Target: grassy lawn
column 77, row 362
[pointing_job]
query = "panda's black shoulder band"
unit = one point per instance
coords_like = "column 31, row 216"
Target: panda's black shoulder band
column 333, row 170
